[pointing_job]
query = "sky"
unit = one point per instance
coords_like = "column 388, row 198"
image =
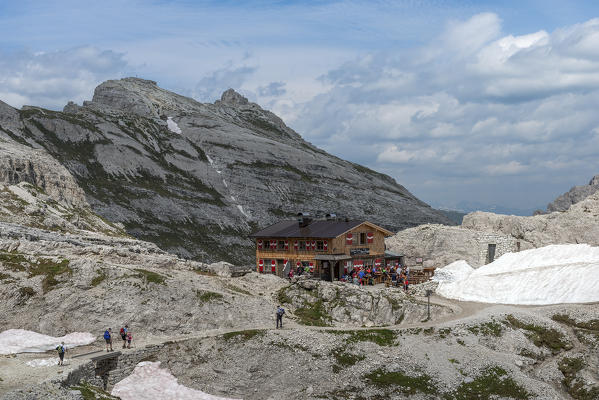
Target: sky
column 489, row 102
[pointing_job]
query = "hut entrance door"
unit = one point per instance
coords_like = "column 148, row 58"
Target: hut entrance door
column 335, row 274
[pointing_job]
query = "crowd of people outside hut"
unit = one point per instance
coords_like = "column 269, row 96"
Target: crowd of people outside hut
column 398, row 276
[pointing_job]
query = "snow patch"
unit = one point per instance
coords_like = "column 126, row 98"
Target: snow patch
column 172, row 126
column 455, row 271
column 149, row 382
column 42, row 362
column 15, row 341
column 547, row 275
column 240, row 207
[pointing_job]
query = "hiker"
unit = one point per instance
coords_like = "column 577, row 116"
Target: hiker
column 129, row 337
column 405, row 284
column 61, row 350
column 123, row 333
column 280, row 312
column 290, row 274
column 108, row 338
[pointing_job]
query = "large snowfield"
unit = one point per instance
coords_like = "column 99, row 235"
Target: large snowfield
column 15, row 341
column 547, row 275
column 150, row 382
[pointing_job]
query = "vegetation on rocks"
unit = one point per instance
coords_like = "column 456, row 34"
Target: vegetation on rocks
column 398, row 381
column 90, row 392
column 570, row 367
column 313, row 314
column 48, row 268
column 491, row 328
column 244, row 335
column 206, row 296
column 540, row 335
column 151, row 277
column 492, row 382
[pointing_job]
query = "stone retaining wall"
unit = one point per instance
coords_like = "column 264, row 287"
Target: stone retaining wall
column 125, row 366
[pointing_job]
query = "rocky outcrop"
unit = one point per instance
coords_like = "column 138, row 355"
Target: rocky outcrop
column 574, row 195
column 344, row 304
column 440, row 245
column 579, row 224
column 197, row 178
column 21, row 163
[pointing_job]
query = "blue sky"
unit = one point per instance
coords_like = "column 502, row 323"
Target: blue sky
column 486, row 101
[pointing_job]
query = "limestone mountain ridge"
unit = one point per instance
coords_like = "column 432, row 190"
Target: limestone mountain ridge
column 195, row 178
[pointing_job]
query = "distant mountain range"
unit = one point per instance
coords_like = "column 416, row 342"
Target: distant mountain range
column 466, row 207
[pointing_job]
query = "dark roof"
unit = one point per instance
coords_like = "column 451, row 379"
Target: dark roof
column 316, row 229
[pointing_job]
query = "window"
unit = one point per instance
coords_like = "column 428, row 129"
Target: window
column 302, row 245
column 319, row 245
column 362, row 238
column 281, row 245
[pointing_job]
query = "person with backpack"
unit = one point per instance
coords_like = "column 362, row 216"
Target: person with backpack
column 61, row 349
column 108, row 339
column 123, row 333
column 280, row 313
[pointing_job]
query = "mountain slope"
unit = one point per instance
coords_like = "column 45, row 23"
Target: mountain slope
column 197, row 178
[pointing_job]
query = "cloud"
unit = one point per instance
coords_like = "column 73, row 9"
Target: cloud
column 211, row 86
column 51, row 79
column 471, row 107
column 272, row 89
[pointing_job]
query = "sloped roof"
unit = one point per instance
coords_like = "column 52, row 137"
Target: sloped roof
column 316, row 229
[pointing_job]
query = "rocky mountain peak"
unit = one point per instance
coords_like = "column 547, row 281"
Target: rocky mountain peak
column 574, row 195
column 594, row 181
column 232, row 98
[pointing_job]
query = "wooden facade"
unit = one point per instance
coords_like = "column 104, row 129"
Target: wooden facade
column 328, row 255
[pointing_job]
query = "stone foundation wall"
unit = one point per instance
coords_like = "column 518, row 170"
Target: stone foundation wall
column 125, row 366
column 504, row 244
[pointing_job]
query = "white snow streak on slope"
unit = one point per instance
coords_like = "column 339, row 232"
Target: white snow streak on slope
column 172, row 126
column 548, row 275
column 22, row 341
column 239, row 206
column 149, row 382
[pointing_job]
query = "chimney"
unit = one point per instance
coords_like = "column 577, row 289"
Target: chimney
column 303, row 219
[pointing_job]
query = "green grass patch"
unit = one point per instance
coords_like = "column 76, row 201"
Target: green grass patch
column 444, row 332
column 492, row 382
column 381, row 337
column 14, row 261
column 344, row 359
column 206, row 296
column 313, row 314
column 151, row 277
column 96, row 280
column 397, row 381
column 26, row 292
column 90, row 392
column 491, row 328
column 244, row 335
column 541, row 336
column 570, row 367
column 237, row 289
column 592, row 325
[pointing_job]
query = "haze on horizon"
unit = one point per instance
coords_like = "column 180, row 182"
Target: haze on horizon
column 490, row 102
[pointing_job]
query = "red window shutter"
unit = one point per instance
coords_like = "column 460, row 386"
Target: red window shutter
column 273, row 244
column 313, row 245
column 273, row 266
column 349, row 238
column 298, row 264
column 286, row 244
column 377, row 262
column 261, row 265
column 370, row 237
column 325, row 245
column 296, row 245
column 259, row 244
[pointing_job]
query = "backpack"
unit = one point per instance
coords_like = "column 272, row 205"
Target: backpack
column 280, row 311
column 60, row 348
column 122, row 331
column 106, row 335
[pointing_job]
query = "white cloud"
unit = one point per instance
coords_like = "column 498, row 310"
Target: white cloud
column 51, row 79
column 475, row 105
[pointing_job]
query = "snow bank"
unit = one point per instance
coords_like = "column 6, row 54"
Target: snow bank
column 22, row 341
column 149, row 382
column 172, row 126
column 547, row 275
column 43, row 362
column 455, row 271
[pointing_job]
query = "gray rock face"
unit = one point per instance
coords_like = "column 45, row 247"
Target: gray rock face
column 233, row 168
column 441, row 245
column 574, row 195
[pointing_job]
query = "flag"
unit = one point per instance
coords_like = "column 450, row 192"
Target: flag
column 370, row 237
